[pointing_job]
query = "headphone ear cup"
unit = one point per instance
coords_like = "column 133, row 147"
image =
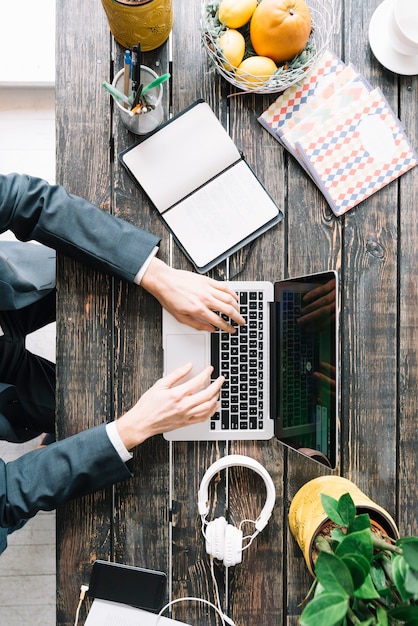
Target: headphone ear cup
column 215, row 538
column 233, row 546
column 224, row 542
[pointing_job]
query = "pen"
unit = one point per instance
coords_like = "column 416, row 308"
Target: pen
column 136, row 66
column 137, row 96
column 118, row 95
column 126, row 72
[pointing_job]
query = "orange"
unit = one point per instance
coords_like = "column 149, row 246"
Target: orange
column 236, row 13
column 255, row 70
column 280, row 29
column 232, row 44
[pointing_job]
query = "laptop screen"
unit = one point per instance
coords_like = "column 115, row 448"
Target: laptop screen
column 304, row 365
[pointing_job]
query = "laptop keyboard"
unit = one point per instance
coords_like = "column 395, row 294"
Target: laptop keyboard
column 240, row 358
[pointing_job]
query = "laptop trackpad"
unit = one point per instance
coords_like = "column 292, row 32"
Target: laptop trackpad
column 182, row 349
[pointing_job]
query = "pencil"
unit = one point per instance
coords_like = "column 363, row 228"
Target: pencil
column 126, row 73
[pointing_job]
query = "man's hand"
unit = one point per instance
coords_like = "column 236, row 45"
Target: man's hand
column 191, row 298
column 170, row 404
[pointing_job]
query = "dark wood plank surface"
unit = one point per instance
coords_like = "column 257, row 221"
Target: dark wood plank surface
column 109, row 338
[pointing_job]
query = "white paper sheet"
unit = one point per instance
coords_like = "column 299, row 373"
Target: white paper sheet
column 104, row 613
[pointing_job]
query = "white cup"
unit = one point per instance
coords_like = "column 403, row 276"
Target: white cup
column 403, row 27
column 142, row 123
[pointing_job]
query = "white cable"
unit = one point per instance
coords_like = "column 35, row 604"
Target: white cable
column 215, row 584
column 83, row 591
column 224, row 618
column 250, row 538
column 170, row 523
column 248, row 521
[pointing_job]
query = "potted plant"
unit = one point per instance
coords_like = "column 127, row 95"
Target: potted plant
column 362, row 576
column 307, row 515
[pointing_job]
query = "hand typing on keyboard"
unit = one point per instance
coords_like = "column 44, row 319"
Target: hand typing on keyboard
column 193, row 299
column 172, row 402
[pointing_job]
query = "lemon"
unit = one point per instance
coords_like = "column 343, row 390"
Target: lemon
column 256, row 70
column 236, row 13
column 232, row 44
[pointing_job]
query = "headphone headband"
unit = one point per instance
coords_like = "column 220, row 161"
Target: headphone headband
column 234, row 460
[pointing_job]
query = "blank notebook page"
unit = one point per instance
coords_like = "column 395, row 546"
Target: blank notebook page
column 208, row 223
column 181, row 156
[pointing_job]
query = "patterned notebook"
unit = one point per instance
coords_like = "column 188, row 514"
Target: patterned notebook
column 290, row 101
column 324, row 109
column 326, row 88
column 356, row 152
column 343, row 133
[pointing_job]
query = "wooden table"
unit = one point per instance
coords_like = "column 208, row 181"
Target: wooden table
column 109, row 338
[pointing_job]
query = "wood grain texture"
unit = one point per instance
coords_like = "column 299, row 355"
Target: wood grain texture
column 85, row 315
column 111, row 333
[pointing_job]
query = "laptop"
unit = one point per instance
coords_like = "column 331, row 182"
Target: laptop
column 281, row 370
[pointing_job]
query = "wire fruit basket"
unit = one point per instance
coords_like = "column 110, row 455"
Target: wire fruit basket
column 287, row 74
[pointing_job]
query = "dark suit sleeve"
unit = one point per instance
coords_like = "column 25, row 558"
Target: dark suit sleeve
column 33, row 209
column 47, row 477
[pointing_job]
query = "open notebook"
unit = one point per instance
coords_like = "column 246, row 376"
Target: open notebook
column 201, row 185
column 280, row 369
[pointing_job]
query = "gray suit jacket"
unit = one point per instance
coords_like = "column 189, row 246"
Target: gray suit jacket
column 32, row 209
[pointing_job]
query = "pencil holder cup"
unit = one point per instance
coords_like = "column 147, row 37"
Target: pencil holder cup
column 147, row 21
column 141, row 123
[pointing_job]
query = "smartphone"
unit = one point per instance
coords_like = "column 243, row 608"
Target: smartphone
column 135, row 586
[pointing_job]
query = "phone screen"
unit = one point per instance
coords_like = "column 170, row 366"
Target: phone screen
column 138, row 587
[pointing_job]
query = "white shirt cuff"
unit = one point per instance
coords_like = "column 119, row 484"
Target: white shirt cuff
column 112, row 433
column 144, row 267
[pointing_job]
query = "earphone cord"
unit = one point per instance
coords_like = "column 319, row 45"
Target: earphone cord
column 215, row 584
column 224, row 618
column 83, row 591
column 250, row 537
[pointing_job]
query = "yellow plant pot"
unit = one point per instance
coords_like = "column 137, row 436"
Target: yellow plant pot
column 307, row 516
column 146, row 21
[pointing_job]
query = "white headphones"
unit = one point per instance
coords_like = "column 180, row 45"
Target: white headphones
column 224, row 541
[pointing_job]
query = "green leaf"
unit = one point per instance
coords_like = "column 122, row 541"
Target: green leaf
column 411, row 582
column 409, row 547
column 330, row 505
column 399, row 568
column 357, row 543
column 407, row 614
column 328, row 609
column 322, row 544
column 382, row 616
column 358, row 566
column 378, row 576
column 360, row 523
column 333, row 574
column 319, row 588
column 338, row 535
column 347, row 509
column 367, row 591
